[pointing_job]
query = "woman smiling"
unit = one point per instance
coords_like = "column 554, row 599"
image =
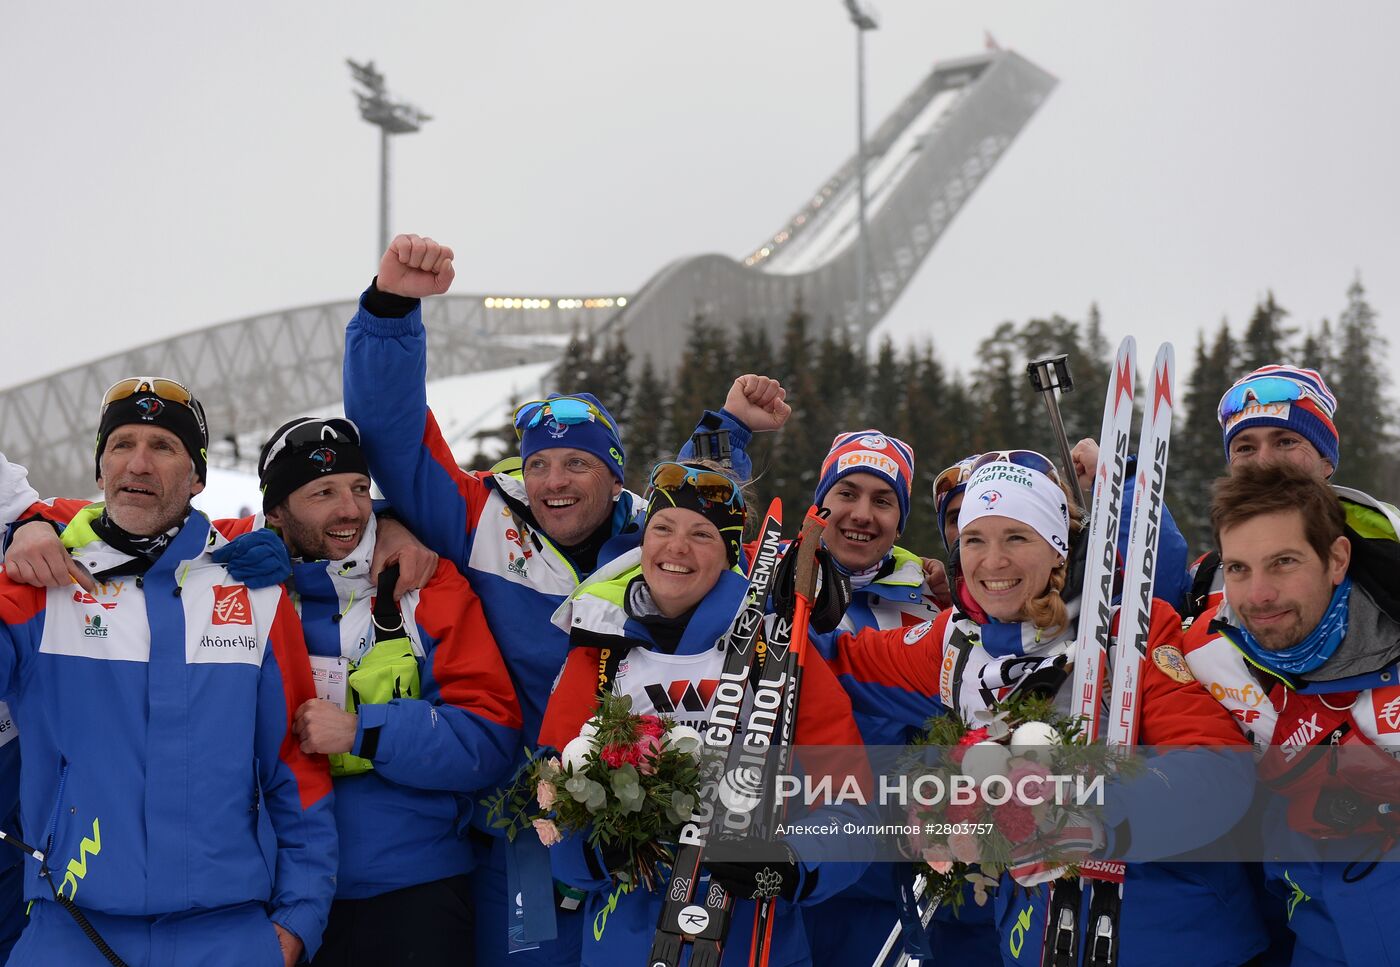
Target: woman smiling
column 1014, row 622
column 651, row 626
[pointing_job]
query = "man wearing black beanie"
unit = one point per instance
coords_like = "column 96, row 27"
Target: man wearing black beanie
column 415, row 708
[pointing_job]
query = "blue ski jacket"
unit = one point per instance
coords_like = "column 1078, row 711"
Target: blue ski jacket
column 159, row 772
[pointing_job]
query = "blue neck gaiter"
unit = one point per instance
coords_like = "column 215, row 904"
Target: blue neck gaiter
column 1310, row 653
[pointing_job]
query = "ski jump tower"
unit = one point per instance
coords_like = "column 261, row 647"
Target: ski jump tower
column 922, row 164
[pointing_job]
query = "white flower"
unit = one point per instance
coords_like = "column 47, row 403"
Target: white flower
column 985, row 759
column 1033, row 741
column 574, row 753
column 590, row 728
column 683, row 738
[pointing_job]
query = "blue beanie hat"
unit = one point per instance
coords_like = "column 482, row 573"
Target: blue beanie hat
column 1284, row 396
column 588, row 427
column 869, row 451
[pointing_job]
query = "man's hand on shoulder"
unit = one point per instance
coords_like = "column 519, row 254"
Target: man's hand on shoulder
column 37, row 557
column 415, row 267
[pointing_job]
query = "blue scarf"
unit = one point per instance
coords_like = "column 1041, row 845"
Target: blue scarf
column 1310, row 653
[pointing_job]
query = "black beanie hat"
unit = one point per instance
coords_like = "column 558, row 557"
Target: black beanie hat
column 155, row 401
column 305, row 449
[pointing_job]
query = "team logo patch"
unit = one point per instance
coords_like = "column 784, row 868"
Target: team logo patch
column 555, row 428
column 150, row 407
column 918, row 631
column 1260, row 411
column 324, row 458
column 867, row 460
column 1172, row 663
column 1385, row 702
column 874, row 441
column 231, row 605
column 990, row 498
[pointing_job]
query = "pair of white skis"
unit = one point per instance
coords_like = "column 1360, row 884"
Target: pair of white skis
column 1120, row 726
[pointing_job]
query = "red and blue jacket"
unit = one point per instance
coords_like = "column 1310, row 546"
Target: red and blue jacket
column 923, row 671
column 159, row 769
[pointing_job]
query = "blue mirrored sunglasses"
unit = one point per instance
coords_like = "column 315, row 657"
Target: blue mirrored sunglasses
column 565, row 410
column 1264, row 389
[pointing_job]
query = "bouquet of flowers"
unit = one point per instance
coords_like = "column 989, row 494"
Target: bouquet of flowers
column 626, row 781
column 1028, row 751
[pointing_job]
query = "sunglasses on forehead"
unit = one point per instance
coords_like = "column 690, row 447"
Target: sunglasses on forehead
column 712, row 485
column 564, row 410
column 311, row 433
column 1264, row 389
column 1020, row 458
column 166, row 389
column 953, row 477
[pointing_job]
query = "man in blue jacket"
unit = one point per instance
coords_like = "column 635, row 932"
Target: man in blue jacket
column 524, row 542
column 160, row 782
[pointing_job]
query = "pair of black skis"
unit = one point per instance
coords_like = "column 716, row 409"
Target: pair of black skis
column 741, row 759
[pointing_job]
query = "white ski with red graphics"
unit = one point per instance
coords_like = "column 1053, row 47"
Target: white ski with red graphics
column 684, row 915
column 1101, row 561
column 1135, row 615
column 1061, row 943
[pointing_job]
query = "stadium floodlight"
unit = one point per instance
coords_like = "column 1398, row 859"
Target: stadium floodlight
column 390, row 117
column 864, row 17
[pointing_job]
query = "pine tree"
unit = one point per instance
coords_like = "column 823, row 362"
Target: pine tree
column 648, row 435
column 1319, row 351
column 1266, row 338
column 1362, row 418
column 1197, row 449
column 997, row 391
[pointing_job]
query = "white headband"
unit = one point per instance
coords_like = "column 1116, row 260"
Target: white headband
column 1020, row 493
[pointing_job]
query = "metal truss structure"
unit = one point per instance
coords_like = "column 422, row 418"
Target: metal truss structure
column 922, row 163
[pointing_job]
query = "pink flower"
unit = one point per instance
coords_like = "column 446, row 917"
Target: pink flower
column 548, row 832
column 650, row 725
column 1035, row 786
column 964, row 847
column 648, row 751
column 544, row 794
column 1015, row 821
column 964, row 812
column 939, row 859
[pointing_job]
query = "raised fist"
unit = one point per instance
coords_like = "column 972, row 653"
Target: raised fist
column 415, row 267
column 759, row 402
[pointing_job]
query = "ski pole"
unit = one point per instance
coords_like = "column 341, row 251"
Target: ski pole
column 804, row 589
column 1046, row 376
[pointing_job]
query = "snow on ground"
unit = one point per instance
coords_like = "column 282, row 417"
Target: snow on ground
column 462, row 404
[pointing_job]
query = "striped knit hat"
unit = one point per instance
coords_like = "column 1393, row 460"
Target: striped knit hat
column 869, row 451
column 1283, row 396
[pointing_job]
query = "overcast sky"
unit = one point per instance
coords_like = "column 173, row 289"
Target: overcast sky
column 171, row 165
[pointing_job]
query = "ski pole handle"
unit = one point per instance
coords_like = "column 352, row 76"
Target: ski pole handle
column 1046, row 376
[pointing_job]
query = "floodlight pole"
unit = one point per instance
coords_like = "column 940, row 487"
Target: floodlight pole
column 863, row 16
column 391, row 117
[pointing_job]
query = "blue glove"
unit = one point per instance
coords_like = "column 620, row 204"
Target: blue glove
column 259, row 559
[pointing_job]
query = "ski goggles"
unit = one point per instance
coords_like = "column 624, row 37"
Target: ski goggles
column 1264, row 389
column 167, row 389
column 1020, row 458
column 564, row 410
column 952, row 478
column 711, row 485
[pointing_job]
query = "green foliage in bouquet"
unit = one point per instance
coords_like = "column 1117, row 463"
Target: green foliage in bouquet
column 627, row 782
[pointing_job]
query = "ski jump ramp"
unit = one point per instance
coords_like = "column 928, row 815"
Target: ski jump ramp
column 922, row 164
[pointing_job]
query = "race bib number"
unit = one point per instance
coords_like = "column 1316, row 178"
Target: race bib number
column 329, row 674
